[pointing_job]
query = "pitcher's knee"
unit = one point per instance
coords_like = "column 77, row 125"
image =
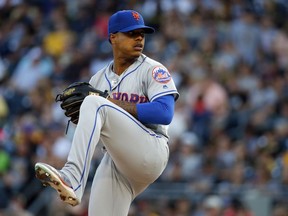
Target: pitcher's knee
column 93, row 100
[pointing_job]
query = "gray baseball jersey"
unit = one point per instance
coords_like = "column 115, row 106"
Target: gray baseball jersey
column 143, row 81
column 136, row 154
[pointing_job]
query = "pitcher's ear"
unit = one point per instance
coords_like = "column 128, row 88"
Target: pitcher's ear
column 111, row 37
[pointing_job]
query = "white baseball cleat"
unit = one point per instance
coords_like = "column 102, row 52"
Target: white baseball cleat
column 49, row 176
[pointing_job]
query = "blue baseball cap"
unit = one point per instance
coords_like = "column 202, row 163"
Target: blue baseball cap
column 127, row 20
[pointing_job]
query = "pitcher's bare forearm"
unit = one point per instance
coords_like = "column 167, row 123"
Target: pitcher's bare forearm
column 128, row 106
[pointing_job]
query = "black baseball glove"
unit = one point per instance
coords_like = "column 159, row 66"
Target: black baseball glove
column 72, row 97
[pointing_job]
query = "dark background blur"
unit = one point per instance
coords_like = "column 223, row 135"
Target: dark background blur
column 229, row 59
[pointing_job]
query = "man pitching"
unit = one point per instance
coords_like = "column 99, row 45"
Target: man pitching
column 132, row 124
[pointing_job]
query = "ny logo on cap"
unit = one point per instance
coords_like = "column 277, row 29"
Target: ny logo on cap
column 136, row 15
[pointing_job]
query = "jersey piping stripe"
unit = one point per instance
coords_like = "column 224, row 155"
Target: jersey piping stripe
column 130, row 72
column 110, row 86
column 94, row 127
column 164, row 93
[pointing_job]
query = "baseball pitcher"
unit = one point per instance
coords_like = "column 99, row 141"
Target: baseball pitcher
column 128, row 106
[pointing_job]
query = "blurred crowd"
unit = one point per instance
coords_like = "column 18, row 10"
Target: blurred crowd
column 229, row 136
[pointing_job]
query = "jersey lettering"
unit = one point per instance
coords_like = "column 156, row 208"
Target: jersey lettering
column 134, row 98
column 116, row 96
column 143, row 99
column 124, row 97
